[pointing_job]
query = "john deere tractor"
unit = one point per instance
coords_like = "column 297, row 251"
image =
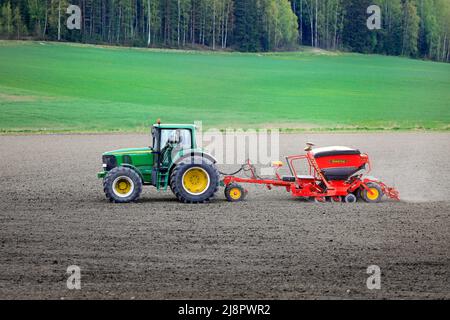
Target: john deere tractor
column 173, row 160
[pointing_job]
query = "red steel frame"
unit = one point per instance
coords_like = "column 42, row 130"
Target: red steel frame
column 309, row 187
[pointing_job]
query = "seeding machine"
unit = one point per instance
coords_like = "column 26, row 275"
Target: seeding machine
column 333, row 175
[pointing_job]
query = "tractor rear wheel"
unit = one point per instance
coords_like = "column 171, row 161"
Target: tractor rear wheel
column 373, row 195
column 234, row 192
column 122, row 185
column 194, row 180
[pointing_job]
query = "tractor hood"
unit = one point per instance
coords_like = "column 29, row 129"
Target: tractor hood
column 120, row 152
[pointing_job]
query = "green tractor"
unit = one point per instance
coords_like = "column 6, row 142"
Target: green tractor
column 173, row 161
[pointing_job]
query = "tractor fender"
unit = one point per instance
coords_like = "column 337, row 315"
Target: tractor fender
column 192, row 153
column 127, row 165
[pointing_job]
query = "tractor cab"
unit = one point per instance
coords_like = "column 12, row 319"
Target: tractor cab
column 169, row 141
column 169, row 138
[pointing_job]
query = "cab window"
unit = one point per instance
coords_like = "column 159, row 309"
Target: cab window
column 185, row 137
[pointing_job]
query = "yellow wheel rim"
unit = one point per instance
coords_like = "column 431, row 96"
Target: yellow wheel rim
column 373, row 194
column 235, row 193
column 195, row 181
column 123, row 186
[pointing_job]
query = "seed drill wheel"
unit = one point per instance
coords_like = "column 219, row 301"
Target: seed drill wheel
column 320, row 199
column 373, row 195
column 194, row 180
column 122, row 185
column 234, row 192
column 350, row 198
column 336, row 199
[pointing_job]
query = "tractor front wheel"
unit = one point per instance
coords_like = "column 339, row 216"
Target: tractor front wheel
column 122, row 185
column 195, row 180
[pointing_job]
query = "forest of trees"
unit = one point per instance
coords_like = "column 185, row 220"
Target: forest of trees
column 415, row 28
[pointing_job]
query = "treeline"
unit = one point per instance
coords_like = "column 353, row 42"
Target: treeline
column 416, row 28
column 246, row 25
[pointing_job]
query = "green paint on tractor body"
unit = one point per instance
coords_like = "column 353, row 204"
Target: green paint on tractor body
column 140, row 159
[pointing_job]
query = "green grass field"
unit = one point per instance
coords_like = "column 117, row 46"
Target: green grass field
column 49, row 87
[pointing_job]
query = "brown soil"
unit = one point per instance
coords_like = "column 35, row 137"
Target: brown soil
column 53, row 214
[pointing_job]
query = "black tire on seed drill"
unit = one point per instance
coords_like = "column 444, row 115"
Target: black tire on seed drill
column 364, row 193
column 240, row 195
column 176, row 180
column 122, row 172
column 350, row 198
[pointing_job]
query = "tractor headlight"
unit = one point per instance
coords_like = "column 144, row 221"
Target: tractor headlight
column 109, row 162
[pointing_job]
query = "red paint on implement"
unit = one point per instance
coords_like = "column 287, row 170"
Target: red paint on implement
column 317, row 185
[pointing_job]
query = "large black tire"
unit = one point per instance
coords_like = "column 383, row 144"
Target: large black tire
column 122, row 185
column 200, row 166
column 375, row 196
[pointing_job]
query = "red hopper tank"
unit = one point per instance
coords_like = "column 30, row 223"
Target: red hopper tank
column 339, row 163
